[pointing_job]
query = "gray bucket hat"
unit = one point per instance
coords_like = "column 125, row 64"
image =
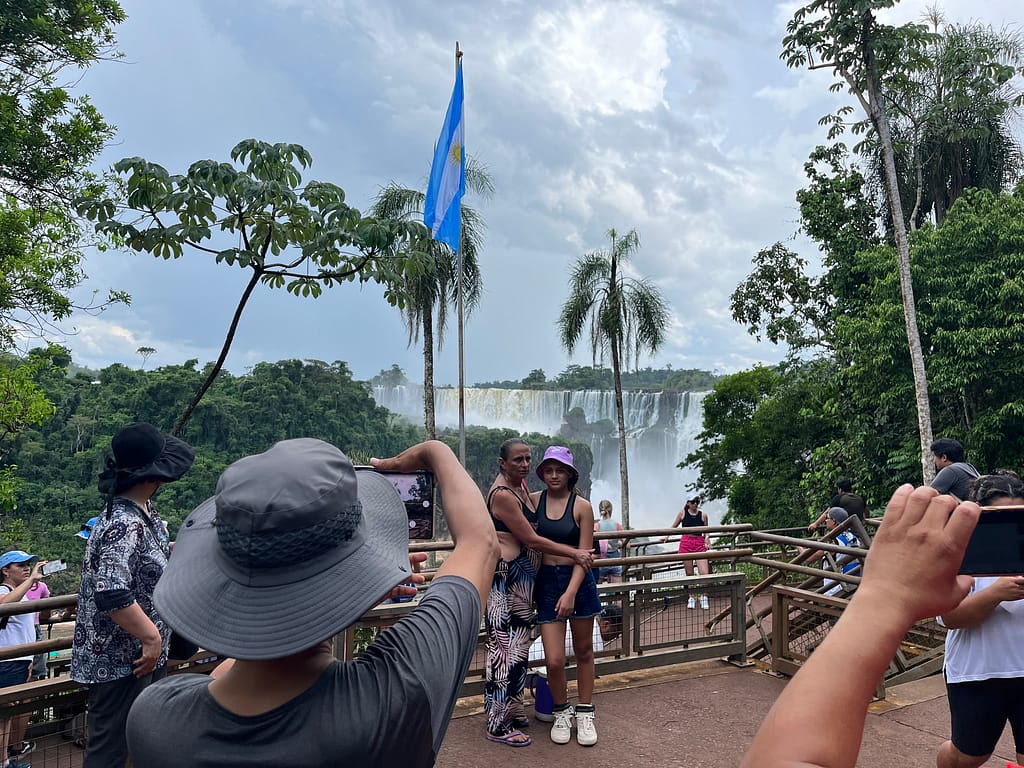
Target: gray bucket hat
column 294, row 547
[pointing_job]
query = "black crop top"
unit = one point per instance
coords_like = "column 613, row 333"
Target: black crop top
column 564, row 530
column 529, row 514
column 692, row 521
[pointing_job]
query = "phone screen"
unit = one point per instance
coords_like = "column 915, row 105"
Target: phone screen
column 416, row 490
column 53, row 566
column 996, row 547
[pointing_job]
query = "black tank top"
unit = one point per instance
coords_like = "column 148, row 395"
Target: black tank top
column 692, row 521
column 564, row 530
column 529, row 514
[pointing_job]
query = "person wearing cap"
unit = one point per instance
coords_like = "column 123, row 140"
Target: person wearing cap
column 120, row 640
column 510, row 615
column 566, row 593
column 18, row 570
column 835, row 516
column 293, row 548
column 692, row 516
column 86, row 531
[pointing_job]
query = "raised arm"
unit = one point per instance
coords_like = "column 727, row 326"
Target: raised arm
column 910, row 573
column 476, row 544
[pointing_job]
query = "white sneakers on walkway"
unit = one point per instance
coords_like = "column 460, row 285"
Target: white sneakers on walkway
column 704, row 602
column 586, row 730
column 691, row 603
column 561, row 731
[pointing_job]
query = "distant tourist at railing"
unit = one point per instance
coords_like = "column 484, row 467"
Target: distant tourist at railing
column 18, row 571
column 910, row 574
column 566, row 594
column 834, row 517
column 692, row 516
column 611, row 574
column 844, row 497
column 510, row 616
column 294, row 548
column 984, row 662
column 953, row 474
column 38, row 591
column 120, row 642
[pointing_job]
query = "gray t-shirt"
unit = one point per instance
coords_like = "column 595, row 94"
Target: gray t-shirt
column 389, row 707
column 955, row 479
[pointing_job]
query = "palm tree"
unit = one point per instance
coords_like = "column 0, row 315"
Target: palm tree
column 625, row 314
column 952, row 119
column 428, row 294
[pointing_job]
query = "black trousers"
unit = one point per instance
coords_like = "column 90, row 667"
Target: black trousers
column 108, row 713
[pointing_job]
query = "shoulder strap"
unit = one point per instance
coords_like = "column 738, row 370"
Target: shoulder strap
column 494, row 490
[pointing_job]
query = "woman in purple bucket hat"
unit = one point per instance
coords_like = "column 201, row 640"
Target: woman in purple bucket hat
column 565, row 592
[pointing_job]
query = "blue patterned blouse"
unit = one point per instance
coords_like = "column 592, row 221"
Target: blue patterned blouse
column 124, row 558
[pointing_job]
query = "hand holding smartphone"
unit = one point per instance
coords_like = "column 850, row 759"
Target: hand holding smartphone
column 53, row 566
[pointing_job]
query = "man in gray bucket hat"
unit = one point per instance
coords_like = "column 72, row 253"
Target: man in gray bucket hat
column 294, row 547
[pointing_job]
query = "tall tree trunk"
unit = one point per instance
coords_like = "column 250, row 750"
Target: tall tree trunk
column 429, row 424
column 880, row 121
column 619, row 415
column 179, row 425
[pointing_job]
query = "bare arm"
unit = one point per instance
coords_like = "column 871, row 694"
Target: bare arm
column 676, row 522
column 819, row 521
column 18, row 592
column 978, row 606
column 505, row 507
column 818, row 721
column 476, row 544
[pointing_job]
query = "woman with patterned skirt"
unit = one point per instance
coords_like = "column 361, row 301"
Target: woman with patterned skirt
column 510, row 613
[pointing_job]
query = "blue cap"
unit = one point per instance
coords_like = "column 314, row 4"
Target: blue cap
column 15, row 556
column 87, row 528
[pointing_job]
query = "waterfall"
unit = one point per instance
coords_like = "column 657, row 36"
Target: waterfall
column 661, row 429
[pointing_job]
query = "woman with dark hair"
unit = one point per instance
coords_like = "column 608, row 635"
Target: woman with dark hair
column 120, row 643
column 18, row 571
column 984, row 664
column 566, row 592
column 692, row 516
column 510, row 613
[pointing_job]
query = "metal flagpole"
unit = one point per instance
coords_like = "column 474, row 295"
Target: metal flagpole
column 462, row 369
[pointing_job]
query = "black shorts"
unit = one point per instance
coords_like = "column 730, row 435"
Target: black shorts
column 979, row 710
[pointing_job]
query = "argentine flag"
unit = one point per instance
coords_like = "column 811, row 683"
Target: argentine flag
column 442, row 212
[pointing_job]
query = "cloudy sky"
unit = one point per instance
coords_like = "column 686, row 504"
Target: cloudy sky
column 675, row 118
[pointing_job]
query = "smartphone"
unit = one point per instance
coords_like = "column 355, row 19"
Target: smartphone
column 996, row 547
column 416, row 490
column 53, row 566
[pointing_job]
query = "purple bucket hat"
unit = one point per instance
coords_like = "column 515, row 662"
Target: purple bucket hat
column 563, row 456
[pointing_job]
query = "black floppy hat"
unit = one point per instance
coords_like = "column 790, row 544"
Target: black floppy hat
column 142, row 453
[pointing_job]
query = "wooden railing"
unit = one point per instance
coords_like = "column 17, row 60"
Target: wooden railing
column 778, row 618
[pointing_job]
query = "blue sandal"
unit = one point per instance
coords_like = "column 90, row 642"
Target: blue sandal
column 508, row 737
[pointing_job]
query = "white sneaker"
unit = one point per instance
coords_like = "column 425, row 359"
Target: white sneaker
column 690, row 603
column 586, row 732
column 704, row 602
column 561, row 731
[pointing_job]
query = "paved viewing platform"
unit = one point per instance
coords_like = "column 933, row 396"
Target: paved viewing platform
column 704, row 715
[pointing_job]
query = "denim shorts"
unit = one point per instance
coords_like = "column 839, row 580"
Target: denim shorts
column 552, row 581
column 13, row 672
